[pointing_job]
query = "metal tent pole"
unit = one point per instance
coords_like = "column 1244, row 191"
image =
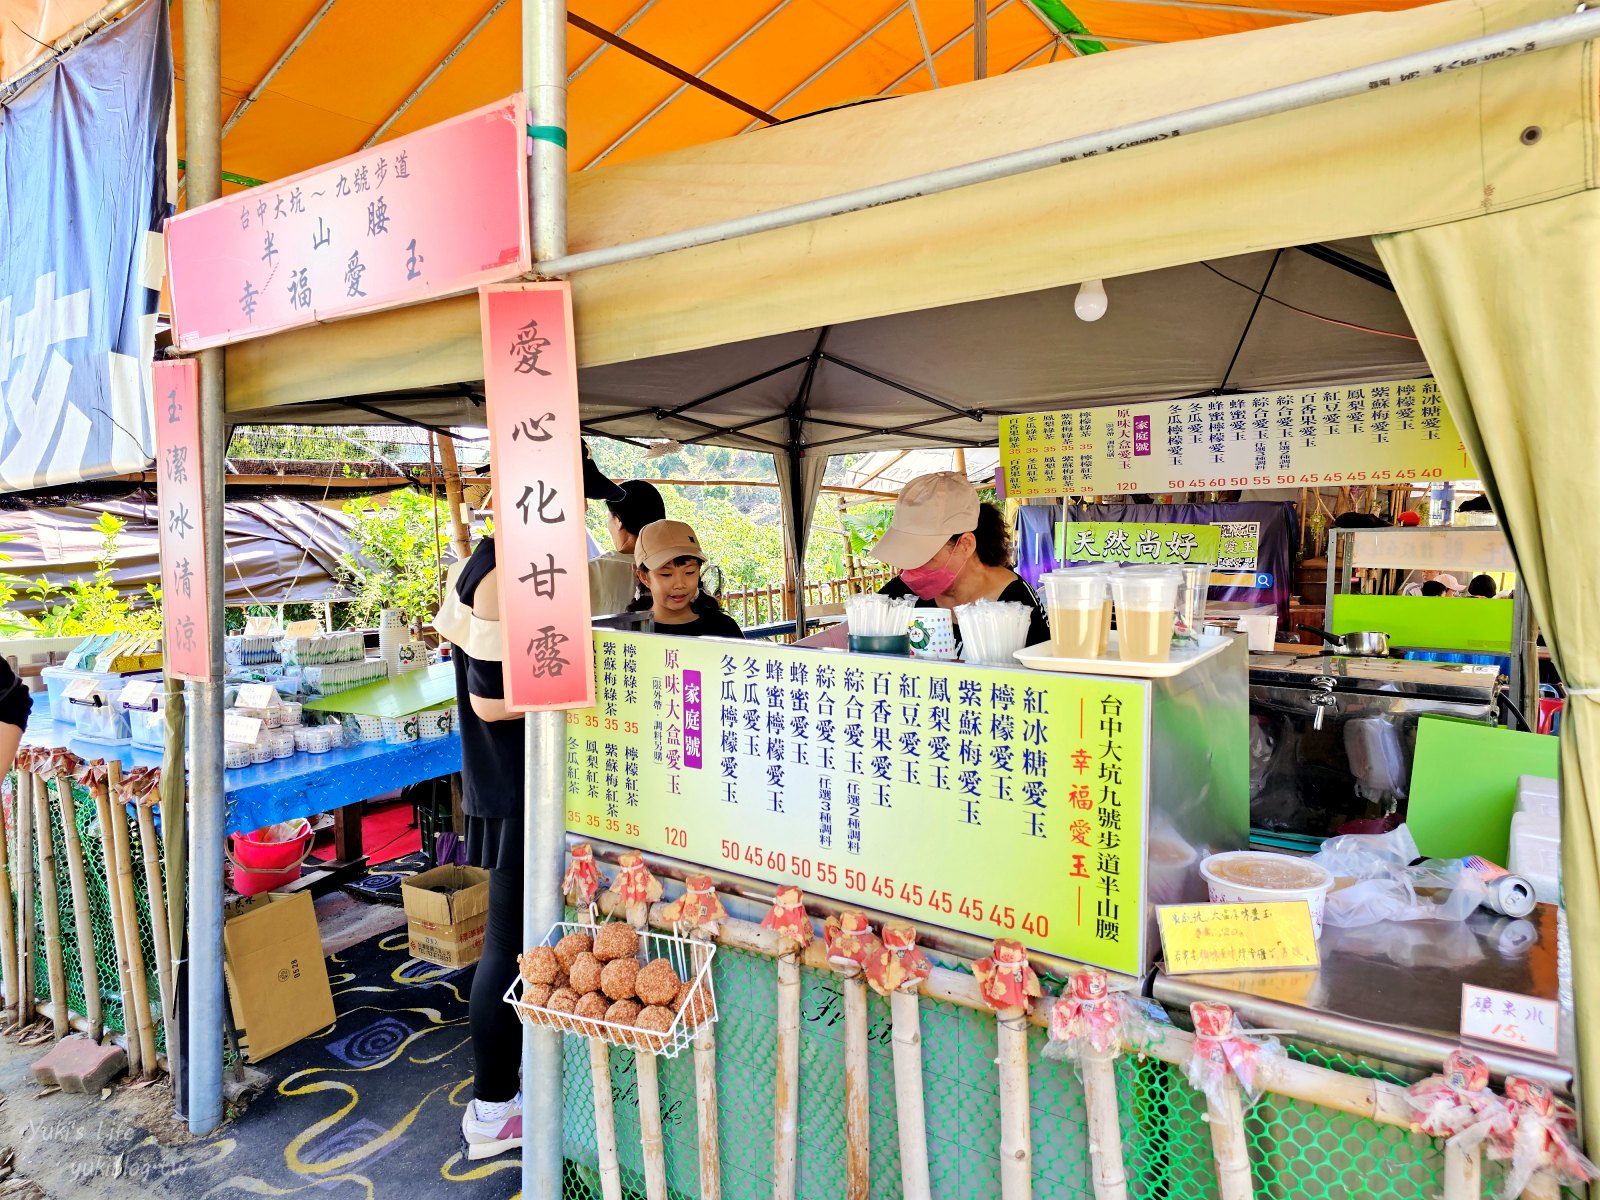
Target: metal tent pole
column 544, row 76
column 1394, row 72
column 202, row 44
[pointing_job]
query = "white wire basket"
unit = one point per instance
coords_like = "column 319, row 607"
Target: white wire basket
column 691, row 960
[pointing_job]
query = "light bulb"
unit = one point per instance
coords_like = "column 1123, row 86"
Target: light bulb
column 1090, row 302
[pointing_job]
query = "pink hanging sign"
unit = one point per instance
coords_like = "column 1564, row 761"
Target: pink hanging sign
column 530, row 375
column 433, row 213
column 185, row 602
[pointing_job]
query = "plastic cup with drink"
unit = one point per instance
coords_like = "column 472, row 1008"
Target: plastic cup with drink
column 1077, row 605
column 1146, row 600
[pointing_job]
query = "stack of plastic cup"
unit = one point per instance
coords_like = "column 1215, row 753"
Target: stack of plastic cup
column 1076, row 601
column 1189, row 620
column 1146, row 599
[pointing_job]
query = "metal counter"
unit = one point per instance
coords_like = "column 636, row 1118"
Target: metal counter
column 1392, row 991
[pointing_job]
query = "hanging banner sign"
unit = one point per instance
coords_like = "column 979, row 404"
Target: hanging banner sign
column 530, row 380
column 1367, row 434
column 1135, row 542
column 185, row 600
column 433, row 213
column 1003, row 803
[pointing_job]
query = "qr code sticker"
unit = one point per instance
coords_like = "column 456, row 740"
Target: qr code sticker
column 1240, row 545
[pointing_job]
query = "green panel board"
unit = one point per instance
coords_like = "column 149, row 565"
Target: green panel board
column 397, row 697
column 1464, row 785
column 1429, row 622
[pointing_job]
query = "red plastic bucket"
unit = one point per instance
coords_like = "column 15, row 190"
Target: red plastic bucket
column 268, row 858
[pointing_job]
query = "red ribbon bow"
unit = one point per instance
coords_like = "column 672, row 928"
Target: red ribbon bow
column 699, row 908
column 1005, row 979
column 850, row 942
column 1087, row 1014
column 897, row 965
column 582, row 882
column 789, row 916
column 633, row 883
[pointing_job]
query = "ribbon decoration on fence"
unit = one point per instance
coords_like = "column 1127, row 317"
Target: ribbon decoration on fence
column 634, row 887
column 792, row 923
column 1005, row 978
column 1224, row 1049
column 583, row 881
column 1458, row 1104
column 898, row 965
column 1089, row 1016
column 1540, row 1139
column 698, row 912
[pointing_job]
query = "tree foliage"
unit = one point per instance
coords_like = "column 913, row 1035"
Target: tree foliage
column 397, row 544
column 83, row 606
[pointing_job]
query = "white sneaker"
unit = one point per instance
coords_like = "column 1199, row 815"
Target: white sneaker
column 491, row 1129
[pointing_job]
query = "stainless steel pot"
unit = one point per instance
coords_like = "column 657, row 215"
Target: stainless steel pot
column 1356, row 645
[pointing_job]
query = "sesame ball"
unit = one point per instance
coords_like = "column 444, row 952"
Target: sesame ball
column 584, row 974
column 539, row 965
column 615, row 941
column 569, row 947
column 618, row 978
column 657, row 983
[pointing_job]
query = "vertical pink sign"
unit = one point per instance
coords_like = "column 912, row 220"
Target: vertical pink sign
column 530, row 373
column 185, row 603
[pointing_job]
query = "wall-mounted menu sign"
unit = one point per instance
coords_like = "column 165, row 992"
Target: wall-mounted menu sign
column 1372, row 433
column 1005, row 803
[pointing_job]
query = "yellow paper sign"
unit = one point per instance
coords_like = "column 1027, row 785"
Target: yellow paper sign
column 1237, row 937
column 1373, row 433
column 997, row 801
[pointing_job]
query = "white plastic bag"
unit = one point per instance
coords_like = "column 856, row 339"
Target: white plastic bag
column 1388, row 888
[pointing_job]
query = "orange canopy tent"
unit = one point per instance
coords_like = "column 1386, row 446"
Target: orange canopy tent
column 309, row 81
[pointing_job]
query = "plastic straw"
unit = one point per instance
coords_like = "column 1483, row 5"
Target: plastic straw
column 876, row 615
column 992, row 631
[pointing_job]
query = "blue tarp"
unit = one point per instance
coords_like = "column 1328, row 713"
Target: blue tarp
column 82, row 199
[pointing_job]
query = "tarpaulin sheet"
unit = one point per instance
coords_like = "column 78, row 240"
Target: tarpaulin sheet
column 82, row 194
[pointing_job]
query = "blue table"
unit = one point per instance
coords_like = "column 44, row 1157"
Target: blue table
column 285, row 788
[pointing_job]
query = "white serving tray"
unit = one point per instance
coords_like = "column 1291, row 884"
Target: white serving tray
column 1039, row 658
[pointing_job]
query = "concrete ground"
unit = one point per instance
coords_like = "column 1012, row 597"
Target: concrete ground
column 57, row 1145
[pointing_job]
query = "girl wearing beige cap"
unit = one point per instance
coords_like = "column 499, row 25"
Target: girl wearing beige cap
column 952, row 549
column 667, row 559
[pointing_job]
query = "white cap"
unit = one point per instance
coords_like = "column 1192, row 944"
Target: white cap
column 931, row 510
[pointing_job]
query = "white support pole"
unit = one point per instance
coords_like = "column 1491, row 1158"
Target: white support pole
column 544, row 78
column 202, row 49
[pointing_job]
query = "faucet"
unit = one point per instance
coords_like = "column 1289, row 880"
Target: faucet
column 1322, row 699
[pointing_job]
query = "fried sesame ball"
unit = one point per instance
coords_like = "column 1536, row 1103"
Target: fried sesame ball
column 654, row 1021
column 591, row 1006
column 539, row 965
column 624, row 1012
column 537, row 994
column 657, row 983
column 584, row 974
column 562, row 1000
column 615, row 941
column 618, row 978
column 696, row 1011
column 569, row 947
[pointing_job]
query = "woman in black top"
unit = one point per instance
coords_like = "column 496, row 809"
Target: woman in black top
column 953, row 549
column 667, row 558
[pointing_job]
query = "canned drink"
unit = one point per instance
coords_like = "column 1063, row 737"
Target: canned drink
column 1508, row 894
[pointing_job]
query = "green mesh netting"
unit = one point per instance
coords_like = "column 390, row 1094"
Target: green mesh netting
column 1299, row 1151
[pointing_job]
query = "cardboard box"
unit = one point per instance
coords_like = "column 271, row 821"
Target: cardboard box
column 277, row 976
column 447, row 909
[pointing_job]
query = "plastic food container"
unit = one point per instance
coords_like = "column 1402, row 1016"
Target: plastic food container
column 236, row 754
column 369, row 729
column 1255, row 876
column 99, row 715
column 282, row 743
column 435, row 723
column 398, row 731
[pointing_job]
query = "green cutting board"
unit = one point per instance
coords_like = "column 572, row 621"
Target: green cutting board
column 1464, row 785
column 395, row 697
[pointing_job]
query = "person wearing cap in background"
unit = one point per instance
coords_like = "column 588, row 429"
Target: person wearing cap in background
column 492, row 775
column 1434, row 583
column 612, row 581
column 951, row 548
column 667, row 561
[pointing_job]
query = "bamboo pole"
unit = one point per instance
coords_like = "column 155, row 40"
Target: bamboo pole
column 705, row 1098
column 1463, row 1173
column 605, row 1120
column 650, row 1141
column 24, row 805
column 156, row 894
column 130, row 912
column 88, row 966
column 857, row 1065
column 905, row 1012
column 1225, row 1116
column 50, row 901
column 1104, row 1128
column 8, row 927
column 786, row 1096
column 119, row 941
column 459, row 541
column 175, row 809
column 1016, row 1114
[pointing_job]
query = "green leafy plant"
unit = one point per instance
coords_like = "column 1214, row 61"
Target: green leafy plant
column 397, row 544
column 86, row 605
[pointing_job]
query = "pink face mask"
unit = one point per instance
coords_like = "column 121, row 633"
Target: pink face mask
column 928, row 582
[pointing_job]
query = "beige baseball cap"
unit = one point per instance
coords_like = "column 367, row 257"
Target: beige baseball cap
column 662, row 541
column 931, row 510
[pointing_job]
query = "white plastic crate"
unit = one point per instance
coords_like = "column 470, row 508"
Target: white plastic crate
column 683, row 954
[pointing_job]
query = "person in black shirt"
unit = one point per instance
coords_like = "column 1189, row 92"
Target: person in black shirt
column 15, row 707
column 493, row 771
column 668, row 558
column 952, row 549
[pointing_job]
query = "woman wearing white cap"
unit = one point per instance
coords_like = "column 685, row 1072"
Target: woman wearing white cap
column 667, row 559
column 952, row 549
